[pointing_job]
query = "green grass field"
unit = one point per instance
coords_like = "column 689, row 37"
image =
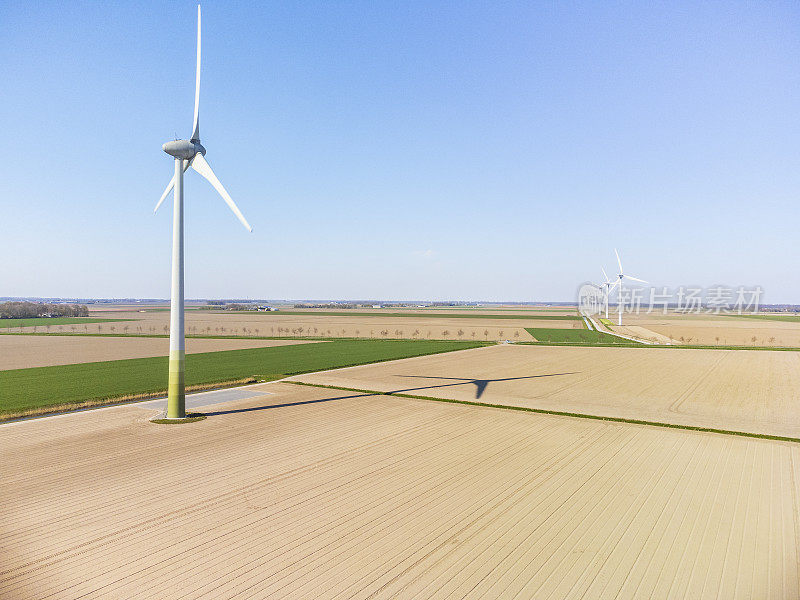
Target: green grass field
column 38, row 387
column 44, row 321
column 576, row 336
column 423, row 315
column 769, row 317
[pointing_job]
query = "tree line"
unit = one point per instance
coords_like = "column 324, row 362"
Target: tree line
column 29, row 310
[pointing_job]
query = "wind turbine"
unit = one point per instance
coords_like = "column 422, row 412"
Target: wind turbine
column 621, row 275
column 608, row 287
column 187, row 154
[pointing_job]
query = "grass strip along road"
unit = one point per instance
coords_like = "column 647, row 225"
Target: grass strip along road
column 36, row 321
column 577, row 336
column 37, row 389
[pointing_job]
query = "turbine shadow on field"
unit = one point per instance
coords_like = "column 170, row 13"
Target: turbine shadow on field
column 284, row 405
column 480, row 384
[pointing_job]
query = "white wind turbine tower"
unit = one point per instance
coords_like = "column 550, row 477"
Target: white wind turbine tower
column 608, row 286
column 187, row 154
column 621, row 275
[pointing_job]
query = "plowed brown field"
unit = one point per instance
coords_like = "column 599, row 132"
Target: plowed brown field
column 715, row 329
column 23, row 351
column 742, row 390
column 337, row 495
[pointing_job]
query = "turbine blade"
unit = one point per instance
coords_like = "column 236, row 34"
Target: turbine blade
column 196, row 123
column 170, row 185
column 604, row 274
column 619, row 262
column 200, row 165
column 613, row 285
column 635, row 279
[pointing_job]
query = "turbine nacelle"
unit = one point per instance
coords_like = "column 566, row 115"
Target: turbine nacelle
column 183, row 149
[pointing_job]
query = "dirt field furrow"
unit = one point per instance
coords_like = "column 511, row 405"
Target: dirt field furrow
column 712, row 330
column 333, row 441
column 745, row 390
column 24, row 351
column 369, row 496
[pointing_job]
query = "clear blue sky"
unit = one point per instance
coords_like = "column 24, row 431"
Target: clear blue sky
column 431, row 150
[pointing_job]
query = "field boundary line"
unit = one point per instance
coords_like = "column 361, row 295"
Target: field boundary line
column 558, row 413
column 641, row 345
column 56, row 410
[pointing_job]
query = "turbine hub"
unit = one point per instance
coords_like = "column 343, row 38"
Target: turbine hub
column 183, row 149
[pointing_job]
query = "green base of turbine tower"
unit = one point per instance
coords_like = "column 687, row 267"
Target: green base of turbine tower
column 176, row 390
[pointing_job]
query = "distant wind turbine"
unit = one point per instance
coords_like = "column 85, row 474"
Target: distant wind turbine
column 607, row 286
column 621, row 275
column 187, row 154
